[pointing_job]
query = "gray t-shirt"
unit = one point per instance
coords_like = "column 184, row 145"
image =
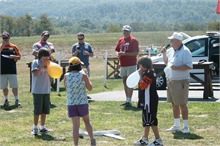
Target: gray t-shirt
column 40, row 83
column 83, row 47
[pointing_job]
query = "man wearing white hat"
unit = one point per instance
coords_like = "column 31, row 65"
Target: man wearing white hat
column 179, row 60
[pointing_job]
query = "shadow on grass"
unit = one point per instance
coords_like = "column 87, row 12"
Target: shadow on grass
column 90, row 100
column 52, row 105
column 133, row 108
column 48, row 137
column 11, row 107
column 210, row 99
column 62, row 89
column 192, row 136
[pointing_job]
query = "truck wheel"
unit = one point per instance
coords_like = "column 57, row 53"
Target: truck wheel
column 161, row 82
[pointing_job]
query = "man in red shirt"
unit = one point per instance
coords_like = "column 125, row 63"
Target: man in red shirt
column 127, row 50
column 10, row 54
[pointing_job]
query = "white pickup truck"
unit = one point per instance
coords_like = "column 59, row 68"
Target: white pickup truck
column 203, row 48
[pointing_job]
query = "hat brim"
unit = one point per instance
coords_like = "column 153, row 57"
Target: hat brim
column 126, row 30
column 170, row 38
column 77, row 63
column 46, row 34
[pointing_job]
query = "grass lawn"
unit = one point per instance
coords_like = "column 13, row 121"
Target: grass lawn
column 16, row 123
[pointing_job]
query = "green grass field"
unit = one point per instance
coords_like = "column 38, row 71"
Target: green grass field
column 16, row 123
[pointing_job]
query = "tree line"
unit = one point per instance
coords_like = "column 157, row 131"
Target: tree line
column 28, row 26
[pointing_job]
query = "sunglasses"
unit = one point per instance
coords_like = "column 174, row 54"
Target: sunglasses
column 80, row 38
column 4, row 38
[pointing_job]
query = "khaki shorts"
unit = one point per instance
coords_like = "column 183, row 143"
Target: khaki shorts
column 126, row 71
column 177, row 91
column 11, row 78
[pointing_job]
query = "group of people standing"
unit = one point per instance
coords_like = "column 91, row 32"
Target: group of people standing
column 179, row 60
column 77, row 80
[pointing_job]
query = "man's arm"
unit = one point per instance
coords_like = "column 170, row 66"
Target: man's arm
column 75, row 51
column 185, row 67
column 133, row 53
column 165, row 58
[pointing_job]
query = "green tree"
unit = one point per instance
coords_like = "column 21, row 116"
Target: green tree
column 214, row 25
column 6, row 23
column 44, row 24
column 114, row 28
column 24, row 26
column 28, row 25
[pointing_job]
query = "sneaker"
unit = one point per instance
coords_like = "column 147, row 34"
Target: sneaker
column 34, row 131
column 142, row 141
column 157, row 142
column 17, row 102
column 44, row 130
column 185, row 130
column 93, row 142
column 6, row 102
column 173, row 129
column 128, row 104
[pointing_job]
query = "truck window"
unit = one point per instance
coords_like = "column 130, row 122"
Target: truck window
column 197, row 47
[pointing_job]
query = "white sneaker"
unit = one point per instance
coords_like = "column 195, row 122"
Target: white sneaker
column 142, row 141
column 157, row 142
column 185, row 130
column 34, row 131
column 174, row 129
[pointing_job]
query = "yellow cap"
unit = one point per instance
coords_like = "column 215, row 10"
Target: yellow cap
column 75, row 61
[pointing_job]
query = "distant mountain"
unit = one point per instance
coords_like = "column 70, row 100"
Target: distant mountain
column 115, row 11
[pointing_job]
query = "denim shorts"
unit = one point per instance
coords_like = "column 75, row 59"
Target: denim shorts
column 78, row 110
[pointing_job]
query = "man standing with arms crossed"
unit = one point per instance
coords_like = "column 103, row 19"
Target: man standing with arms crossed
column 179, row 61
column 127, row 50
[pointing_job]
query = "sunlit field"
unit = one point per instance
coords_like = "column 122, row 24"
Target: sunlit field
column 16, row 122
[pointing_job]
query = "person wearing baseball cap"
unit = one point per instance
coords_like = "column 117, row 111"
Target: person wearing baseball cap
column 127, row 50
column 10, row 54
column 76, row 83
column 179, row 61
column 126, row 28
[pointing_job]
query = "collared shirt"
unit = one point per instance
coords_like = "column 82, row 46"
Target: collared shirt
column 180, row 57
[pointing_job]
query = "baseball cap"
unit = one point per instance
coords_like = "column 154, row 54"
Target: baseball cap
column 176, row 35
column 126, row 27
column 80, row 34
column 45, row 33
column 6, row 34
column 75, row 61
